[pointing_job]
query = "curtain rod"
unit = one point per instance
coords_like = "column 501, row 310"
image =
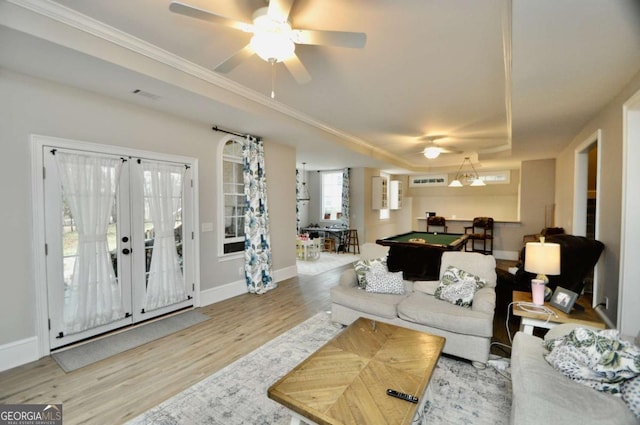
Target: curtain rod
column 216, row 128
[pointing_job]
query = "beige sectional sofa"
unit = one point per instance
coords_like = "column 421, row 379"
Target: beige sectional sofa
column 543, row 395
column 468, row 331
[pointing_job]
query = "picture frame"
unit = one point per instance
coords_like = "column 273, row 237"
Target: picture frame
column 563, row 299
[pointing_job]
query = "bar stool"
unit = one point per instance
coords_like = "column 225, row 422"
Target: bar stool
column 437, row 221
column 352, row 241
column 481, row 229
column 329, row 244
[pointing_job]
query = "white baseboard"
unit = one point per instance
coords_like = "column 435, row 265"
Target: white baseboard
column 18, row 353
column 603, row 316
column 284, row 274
column 222, row 292
column 239, row 287
column 26, row 350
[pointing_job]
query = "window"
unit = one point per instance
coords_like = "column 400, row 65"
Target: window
column 495, row 177
column 234, row 198
column 385, row 213
column 332, row 195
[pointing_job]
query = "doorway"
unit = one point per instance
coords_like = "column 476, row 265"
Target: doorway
column 628, row 314
column 586, row 203
column 118, row 237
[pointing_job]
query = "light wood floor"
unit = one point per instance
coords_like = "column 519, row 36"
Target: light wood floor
column 119, row 388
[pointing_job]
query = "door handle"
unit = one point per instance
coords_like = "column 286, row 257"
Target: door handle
column 126, row 251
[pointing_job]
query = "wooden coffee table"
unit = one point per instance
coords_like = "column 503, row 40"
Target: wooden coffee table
column 346, row 381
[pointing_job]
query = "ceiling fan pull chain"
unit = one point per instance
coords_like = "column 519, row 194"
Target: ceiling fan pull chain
column 273, row 79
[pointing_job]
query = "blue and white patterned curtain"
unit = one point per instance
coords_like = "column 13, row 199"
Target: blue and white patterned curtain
column 257, row 243
column 298, row 183
column 345, row 195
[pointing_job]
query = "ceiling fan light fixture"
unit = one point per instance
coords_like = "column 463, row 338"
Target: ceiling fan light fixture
column 431, row 152
column 272, row 47
column 272, row 40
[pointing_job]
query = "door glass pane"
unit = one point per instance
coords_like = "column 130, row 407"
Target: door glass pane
column 164, row 278
column 149, row 236
column 91, row 292
column 69, row 245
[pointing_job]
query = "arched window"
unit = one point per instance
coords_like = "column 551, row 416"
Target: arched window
column 234, row 202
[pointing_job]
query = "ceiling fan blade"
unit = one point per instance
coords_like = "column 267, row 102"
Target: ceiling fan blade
column 445, row 150
column 205, row 15
column 331, row 38
column 297, row 69
column 279, row 9
column 245, row 53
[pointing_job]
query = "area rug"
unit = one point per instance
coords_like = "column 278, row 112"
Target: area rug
column 100, row 349
column 327, row 261
column 237, row 394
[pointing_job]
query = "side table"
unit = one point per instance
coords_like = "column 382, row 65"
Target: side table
column 529, row 319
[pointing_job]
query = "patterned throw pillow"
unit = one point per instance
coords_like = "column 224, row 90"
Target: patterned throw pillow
column 631, row 395
column 382, row 281
column 596, row 358
column 458, row 287
column 363, row 266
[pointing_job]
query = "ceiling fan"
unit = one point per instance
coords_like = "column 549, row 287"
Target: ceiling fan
column 432, row 150
column 273, row 38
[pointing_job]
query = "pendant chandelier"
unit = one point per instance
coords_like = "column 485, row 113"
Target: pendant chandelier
column 472, row 178
column 303, row 191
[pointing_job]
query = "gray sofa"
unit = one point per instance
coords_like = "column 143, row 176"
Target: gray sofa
column 542, row 395
column 468, row 331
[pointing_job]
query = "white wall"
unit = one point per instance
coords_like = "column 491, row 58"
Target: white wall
column 499, row 201
column 33, row 106
column 609, row 120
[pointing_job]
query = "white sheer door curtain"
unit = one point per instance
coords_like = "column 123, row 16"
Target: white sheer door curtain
column 114, row 240
column 93, row 297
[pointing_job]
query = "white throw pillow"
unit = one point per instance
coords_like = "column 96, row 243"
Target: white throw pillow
column 382, row 281
column 458, row 286
column 362, row 267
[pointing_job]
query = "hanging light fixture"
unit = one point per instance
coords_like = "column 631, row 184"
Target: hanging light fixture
column 272, row 41
column 431, row 152
column 474, row 177
column 303, row 192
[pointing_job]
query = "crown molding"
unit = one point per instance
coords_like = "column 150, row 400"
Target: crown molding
column 76, row 20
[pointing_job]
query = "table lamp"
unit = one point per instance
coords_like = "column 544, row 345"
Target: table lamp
column 543, row 259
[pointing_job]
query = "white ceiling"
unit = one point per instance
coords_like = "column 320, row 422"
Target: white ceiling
column 502, row 81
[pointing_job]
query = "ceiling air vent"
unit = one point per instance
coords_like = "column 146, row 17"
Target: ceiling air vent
column 146, row 94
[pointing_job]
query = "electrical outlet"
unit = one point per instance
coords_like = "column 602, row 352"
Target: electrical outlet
column 240, row 271
column 606, row 303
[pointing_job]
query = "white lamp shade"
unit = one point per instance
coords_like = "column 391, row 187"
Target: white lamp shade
column 455, row 183
column 542, row 258
column 478, row 182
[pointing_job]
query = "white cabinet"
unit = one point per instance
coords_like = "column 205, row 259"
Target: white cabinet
column 379, row 193
column 395, row 194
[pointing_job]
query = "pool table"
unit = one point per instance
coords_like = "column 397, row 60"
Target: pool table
column 418, row 254
column 445, row 241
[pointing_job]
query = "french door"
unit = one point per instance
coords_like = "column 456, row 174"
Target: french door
column 119, row 240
